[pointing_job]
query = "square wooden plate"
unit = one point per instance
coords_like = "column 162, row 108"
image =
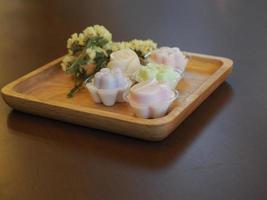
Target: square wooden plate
column 43, row 92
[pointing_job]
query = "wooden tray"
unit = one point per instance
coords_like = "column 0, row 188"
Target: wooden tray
column 43, row 92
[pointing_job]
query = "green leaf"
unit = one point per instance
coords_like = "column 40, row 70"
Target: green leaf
column 76, row 48
column 74, row 90
column 96, row 41
column 75, row 66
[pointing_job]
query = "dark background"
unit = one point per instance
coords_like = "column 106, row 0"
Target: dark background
column 219, row 152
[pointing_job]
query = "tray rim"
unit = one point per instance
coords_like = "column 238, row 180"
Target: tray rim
column 224, row 70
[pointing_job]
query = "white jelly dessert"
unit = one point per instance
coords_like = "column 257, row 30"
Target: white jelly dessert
column 169, row 56
column 162, row 73
column 151, row 99
column 108, row 86
column 126, row 60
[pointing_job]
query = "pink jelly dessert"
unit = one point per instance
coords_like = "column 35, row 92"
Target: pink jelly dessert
column 108, row 86
column 169, row 56
column 151, row 99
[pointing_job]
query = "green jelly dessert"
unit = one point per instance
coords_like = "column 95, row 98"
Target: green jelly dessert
column 162, row 73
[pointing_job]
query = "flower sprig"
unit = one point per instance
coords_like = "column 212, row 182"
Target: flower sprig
column 89, row 48
column 141, row 47
column 89, row 52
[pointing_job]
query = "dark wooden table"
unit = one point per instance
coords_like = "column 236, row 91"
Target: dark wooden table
column 219, row 152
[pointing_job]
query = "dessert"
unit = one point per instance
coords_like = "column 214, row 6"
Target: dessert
column 169, row 56
column 151, row 99
column 126, row 60
column 162, row 73
column 108, row 86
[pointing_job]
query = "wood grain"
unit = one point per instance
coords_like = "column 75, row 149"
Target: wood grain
column 43, row 92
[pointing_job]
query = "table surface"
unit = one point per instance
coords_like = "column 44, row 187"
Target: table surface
column 219, row 152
